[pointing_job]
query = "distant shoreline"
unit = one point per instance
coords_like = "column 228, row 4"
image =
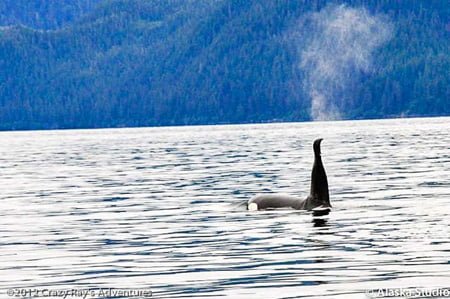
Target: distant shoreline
column 274, row 121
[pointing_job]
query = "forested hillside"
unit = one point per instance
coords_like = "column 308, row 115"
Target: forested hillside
column 43, row 14
column 167, row 62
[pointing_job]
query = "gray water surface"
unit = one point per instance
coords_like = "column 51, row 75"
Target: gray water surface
column 160, row 208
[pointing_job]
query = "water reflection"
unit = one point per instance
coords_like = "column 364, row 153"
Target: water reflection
column 320, row 222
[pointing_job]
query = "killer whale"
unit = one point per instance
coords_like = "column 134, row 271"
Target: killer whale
column 317, row 201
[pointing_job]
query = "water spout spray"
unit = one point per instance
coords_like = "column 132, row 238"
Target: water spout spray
column 340, row 50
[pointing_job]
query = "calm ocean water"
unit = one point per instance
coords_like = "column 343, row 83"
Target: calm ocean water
column 160, row 209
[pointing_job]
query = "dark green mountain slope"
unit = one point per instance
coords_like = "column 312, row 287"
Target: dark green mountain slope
column 154, row 62
column 43, row 14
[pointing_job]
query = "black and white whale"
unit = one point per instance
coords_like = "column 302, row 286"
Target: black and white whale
column 318, row 200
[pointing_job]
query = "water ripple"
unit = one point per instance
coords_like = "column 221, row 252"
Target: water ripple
column 162, row 208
